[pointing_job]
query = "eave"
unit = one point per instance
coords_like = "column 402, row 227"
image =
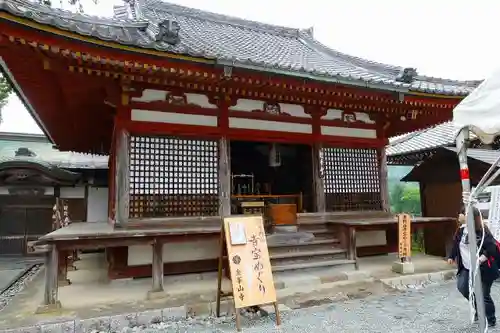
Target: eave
column 91, row 44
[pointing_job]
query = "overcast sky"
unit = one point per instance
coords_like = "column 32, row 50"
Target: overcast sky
column 443, row 38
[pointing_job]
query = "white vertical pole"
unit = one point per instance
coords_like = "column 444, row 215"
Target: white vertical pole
column 462, row 139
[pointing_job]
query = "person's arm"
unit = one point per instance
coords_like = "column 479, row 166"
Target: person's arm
column 456, row 241
column 489, row 245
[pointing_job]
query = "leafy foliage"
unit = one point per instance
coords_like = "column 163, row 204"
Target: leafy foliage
column 5, row 91
column 405, row 199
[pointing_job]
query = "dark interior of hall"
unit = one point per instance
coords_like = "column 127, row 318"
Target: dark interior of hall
column 260, row 168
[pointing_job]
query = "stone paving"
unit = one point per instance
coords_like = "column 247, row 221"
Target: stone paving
column 433, row 309
column 437, row 308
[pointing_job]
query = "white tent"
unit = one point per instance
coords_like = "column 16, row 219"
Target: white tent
column 480, row 113
column 480, row 110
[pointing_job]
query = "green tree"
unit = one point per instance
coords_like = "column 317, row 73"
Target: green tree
column 405, row 199
column 396, row 193
column 5, row 91
column 411, row 200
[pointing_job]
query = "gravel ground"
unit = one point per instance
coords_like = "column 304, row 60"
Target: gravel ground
column 18, row 286
column 433, row 309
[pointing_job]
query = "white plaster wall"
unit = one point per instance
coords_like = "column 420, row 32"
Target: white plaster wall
column 209, row 249
column 97, row 204
column 268, row 125
column 371, row 238
column 175, row 252
column 173, row 118
column 349, row 132
column 72, row 192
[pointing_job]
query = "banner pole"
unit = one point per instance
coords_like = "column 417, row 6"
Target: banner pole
column 461, row 144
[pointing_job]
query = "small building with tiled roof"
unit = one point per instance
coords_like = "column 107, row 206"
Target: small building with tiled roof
column 32, row 175
column 433, row 154
column 412, row 148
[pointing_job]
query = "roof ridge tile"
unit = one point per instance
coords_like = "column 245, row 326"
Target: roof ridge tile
column 219, row 18
column 235, row 42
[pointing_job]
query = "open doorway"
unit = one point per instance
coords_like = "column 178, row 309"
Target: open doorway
column 281, row 170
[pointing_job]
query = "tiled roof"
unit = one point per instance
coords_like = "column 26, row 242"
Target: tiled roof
column 43, row 152
column 484, row 155
column 434, row 85
column 115, row 30
column 433, row 137
column 235, row 42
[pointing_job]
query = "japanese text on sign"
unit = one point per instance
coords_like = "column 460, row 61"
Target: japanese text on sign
column 249, row 263
column 404, row 239
column 258, row 266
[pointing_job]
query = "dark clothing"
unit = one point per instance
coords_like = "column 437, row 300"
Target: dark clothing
column 463, row 287
column 489, row 269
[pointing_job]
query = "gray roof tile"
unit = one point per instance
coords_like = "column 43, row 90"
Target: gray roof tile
column 233, row 41
column 433, row 137
column 45, row 154
column 442, row 135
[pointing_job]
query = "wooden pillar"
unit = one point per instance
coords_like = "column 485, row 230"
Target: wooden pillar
column 319, row 189
column 384, row 186
column 423, row 203
column 50, row 297
column 63, row 263
column 157, row 267
column 351, row 244
column 122, row 175
column 224, row 178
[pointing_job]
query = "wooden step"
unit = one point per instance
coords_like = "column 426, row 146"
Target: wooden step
column 298, row 258
column 317, row 231
column 312, row 265
column 312, row 253
column 324, row 241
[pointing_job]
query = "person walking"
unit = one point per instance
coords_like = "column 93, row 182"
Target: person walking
column 489, row 268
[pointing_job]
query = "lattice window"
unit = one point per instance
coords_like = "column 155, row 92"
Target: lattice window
column 351, row 178
column 173, row 177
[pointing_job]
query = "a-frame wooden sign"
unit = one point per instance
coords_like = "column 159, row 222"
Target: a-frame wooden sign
column 243, row 243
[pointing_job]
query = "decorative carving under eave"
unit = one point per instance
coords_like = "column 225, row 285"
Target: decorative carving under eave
column 168, row 32
column 272, row 109
column 179, row 100
column 349, row 117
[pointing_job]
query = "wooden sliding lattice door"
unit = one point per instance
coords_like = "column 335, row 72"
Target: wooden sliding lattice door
column 351, row 179
column 174, row 177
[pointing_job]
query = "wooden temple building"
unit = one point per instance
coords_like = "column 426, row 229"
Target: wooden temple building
column 205, row 115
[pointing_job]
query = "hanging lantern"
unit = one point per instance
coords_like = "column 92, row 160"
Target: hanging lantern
column 274, row 156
